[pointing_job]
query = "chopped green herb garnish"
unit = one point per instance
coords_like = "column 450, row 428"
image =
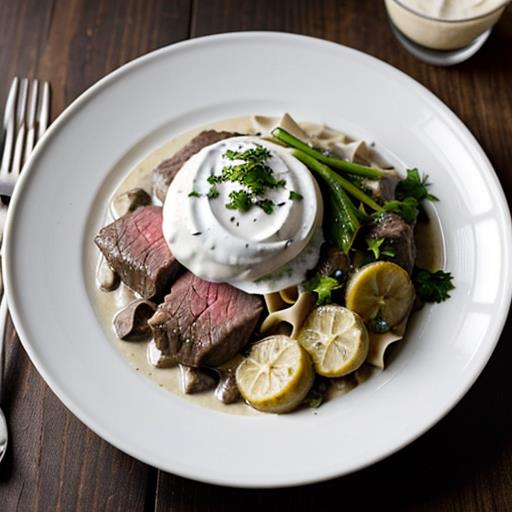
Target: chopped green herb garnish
column 407, row 209
column 256, row 177
column 240, row 200
column 194, row 193
column 213, row 180
column 295, row 196
column 414, row 186
column 256, row 154
column 323, row 286
column 374, row 246
column 266, row 205
column 432, row 286
column 253, row 173
column 213, row 192
column 388, row 252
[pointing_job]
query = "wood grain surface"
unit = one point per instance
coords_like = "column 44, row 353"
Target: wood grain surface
column 55, row 463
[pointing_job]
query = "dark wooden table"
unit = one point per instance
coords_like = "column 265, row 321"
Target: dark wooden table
column 56, row 463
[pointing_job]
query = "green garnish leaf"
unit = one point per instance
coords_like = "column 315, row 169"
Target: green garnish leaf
column 407, row 209
column 240, row 200
column 323, row 286
column 295, row 196
column 414, row 186
column 379, row 249
column 374, row 246
column 194, row 193
column 213, row 180
column 432, row 286
column 213, row 192
column 388, row 252
column 266, row 205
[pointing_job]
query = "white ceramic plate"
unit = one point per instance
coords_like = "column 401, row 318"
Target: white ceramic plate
column 59, row 204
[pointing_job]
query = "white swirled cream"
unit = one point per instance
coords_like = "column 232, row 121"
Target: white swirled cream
column 254, row 250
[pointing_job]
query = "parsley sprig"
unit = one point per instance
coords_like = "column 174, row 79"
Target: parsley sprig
column 432, row 286
column 407, row 209
column 414, row 186
column 323, row 286
column 409, row 195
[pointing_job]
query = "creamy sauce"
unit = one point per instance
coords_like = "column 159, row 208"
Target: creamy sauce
column 220, row 244
column 108, row 304
column 444, row 24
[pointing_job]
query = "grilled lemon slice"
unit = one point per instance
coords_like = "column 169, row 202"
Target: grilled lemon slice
column 381, row 289
column 276, row 376
column 336, row 339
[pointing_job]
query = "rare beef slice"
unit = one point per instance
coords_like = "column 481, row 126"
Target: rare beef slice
column 204, row 324
column 135, row 248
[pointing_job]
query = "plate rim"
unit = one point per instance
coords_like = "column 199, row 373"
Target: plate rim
column 60, row 392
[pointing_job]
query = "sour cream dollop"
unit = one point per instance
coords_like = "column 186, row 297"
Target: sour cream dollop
column 254, row 251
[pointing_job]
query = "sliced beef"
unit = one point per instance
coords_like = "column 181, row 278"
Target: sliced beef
column 131, row 322
column 204, row 324
column 333, row 262
column 399, row 236
column 135, row 248
column 164, row 173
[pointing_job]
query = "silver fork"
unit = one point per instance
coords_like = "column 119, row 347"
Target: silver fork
column 26, row 116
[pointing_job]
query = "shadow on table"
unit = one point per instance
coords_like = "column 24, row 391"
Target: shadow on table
column 474, row 439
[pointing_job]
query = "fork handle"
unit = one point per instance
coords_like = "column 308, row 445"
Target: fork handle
column 3, row 328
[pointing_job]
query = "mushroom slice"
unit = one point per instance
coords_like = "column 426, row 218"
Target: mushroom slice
column 195, row 380
column 157, row 359
column 129, row 201
column 131, row 323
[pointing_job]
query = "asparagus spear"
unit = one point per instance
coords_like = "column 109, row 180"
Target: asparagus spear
column 331, row 177
column 341, row 223
column 337, row 163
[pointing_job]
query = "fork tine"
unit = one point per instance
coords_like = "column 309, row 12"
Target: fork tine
column 21, row 128
column 22, row 103
column 43, row 116
column 9, row 126
column 11, row 101
column 31, row 116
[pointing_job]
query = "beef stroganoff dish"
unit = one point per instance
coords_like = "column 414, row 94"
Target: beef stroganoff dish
column 264, row 265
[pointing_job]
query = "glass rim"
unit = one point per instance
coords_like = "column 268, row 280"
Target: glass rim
column 458, row 20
